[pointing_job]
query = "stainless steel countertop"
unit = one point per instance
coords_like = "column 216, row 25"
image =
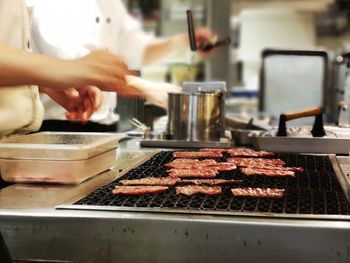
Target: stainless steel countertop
column 34, row 230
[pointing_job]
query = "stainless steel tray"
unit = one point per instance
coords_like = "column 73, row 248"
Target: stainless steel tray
column 302, row 144
column 58, row 145
column 57, row 157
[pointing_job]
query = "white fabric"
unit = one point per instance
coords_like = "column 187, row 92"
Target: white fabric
column 72, row 28
column 20, row 108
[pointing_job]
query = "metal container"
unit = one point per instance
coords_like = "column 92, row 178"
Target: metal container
column 179, row 113
column 195, row 116
column 57, row 157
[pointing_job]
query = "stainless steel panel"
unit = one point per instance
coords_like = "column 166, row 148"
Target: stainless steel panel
column 179, row 111
column 130, row 237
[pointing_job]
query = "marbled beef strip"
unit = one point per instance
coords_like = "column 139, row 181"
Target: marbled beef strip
column 211, row 181
column 249, row 153
column 256, row 162
column 258, row 192
column 224, row 166
column 169, row 181
column 195, row 155
column 203, row 173
column 196, row 189
column 191, row 165
column 268, row 172
column 138, row 190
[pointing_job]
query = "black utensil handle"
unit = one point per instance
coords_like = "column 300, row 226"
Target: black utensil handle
column 191, row 33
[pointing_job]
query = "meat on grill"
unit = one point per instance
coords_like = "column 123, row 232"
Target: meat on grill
column 249, row 153
column 195, row 155
column 138, row 190
column 224, row 166
column 152, row 181
column 258, row 192
column 256, row 162
column 213, row 150
column 211, row 181
column 201, row 172
column 191, row 165
column 268, row 171
column 196, row 189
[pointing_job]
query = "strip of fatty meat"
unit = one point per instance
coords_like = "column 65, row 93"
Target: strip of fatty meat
column 211, row 181
column 138, row 190
column 224, row 166
column 258, row 192
column 191, row 165
column 213, row 150
column 268, row 172
column 203, row 173
column 169, row 181
column 195, row 155
column 256, row 162
column 249, row 153
column 196, row 189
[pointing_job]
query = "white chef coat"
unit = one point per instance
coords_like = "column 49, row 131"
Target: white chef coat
column 72, row 28
column 20, row 108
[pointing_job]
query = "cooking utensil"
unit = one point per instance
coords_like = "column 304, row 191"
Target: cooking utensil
column 195, row 117
column 57, row 157
column 317, row 130
column 191, row 32
column 210, row 45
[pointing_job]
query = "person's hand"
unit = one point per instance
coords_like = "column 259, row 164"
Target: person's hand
column 80, row 103
column 203, row 37
column 99, row 68
column 155, row 93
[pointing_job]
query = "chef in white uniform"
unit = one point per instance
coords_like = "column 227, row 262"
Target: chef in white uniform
column 21, row 110
column 73, row 28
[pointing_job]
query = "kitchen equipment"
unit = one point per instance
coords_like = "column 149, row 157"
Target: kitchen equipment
column 215, row 43
column 317, row 129
column 319, row 139
column 315, row 193
column 344, row 78
column 293, row 79
column 195, row 117
column 57, row 157
column 191, row 31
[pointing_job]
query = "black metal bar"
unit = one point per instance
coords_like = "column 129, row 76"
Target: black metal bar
column 191, row 31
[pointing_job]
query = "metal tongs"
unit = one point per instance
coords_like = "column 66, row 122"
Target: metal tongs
column 139, row 125
column 205, row 46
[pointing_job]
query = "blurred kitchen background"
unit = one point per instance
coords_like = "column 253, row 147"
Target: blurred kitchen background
column 254, row 26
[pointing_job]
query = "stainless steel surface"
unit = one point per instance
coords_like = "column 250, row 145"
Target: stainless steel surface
column 218, row 19
column 54, row 171
column 34, row 230
column 184, row 144
column 59, row 145
column 302, row 144
column 195, row 116
column 33, row 196
column 179, row 112
column 207, row 121
column 142, row 237
column 57, row 157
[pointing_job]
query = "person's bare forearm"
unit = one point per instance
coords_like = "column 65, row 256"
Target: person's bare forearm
column 18, row 67
column 159, row 50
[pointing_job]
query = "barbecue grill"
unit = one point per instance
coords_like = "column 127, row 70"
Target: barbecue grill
column 311, row 223
column 316, row 192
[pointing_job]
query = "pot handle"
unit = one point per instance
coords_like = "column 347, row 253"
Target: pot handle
column 317, row 129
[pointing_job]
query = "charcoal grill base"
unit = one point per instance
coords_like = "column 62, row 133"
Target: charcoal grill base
column 314, row 193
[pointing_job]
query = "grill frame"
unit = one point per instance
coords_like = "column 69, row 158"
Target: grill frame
column 339, row 177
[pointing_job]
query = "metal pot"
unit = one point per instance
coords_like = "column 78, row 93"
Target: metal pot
column 195, row 116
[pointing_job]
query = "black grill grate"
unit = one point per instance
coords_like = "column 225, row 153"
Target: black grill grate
column 315, row 191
